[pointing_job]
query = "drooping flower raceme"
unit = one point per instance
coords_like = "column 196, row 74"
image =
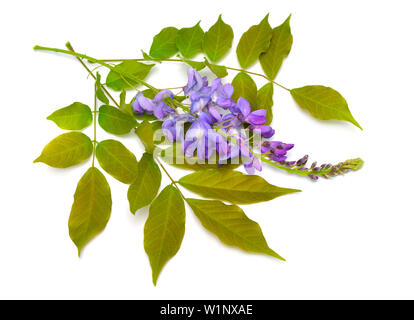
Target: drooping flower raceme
column 214, row 124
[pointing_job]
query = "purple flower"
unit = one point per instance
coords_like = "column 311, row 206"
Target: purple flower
column 173, row 128
column 242, row 111
column 198, row 101
column 142, row 103
column 224, row 93
column 195, row 82
column 214, row 113
column 265, row 131
column 239, row 145
column 200, row 137
column 163, row 94
column 252, row 164
column 276, row 150
column 161, row 110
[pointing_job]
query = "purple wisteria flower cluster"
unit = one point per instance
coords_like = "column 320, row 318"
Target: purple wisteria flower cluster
column 218, row 126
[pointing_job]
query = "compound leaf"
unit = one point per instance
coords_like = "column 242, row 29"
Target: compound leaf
column 253, row 42
column 91, row 208
column 219, row 71
column 189, row 41
column 145, row 187
column 279, row 49
column 127, row 74
column 323, row 103
column 244, row 86
column 115, row 121
column 230, row 224
column 66, row 150
column 117, row 160
column 163, row 45
column 77, row 116
column 232, row 186
column 265, row 101
column 217, row 40
column 164, row 229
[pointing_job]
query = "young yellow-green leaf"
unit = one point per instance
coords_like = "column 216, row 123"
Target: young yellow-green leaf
column 145, row 187
column 66, row 150
column 189, row 41
column 117, row 160
column 146, row 134
column 163, row 45
column 91, row 208
column 279, row 49
column 230, row 224
column 217, row 40
column 123, row 106
column 100, row 94
column 197, row 65
column 265, row 101
column 115, row 121
column 126, row 75
column 219, row 71
column 148, row 57
column 244, row 86
column 164, row 229
column 232, row 186
column 173, row 156
column 77, row 116
column 253, row 42
column 323, row 103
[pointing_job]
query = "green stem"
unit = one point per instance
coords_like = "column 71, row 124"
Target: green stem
column 69, row 46
column 181, row 60
column 95, row 113
column 172, row 180
column 123, row 75
column 93, row 60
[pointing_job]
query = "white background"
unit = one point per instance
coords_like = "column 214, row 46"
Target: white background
column 351, row 237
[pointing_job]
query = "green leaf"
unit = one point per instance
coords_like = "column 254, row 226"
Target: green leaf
column 100, row 94
column 244, row 86
column 145, row 187
column 230, row 224
column 217, row 40
column 323, row 103
column 91, row 208
column 189, row 41
column 146, row 134
column 197, row 65
column 219, row 71
column 117, row 160
column 66, row 150
column 115, row 121
column 77, row 116
column 123, row 106
column 253, row 42
column 279, row 49
column 265, row 101
column 164, row 229
column 232, row 186
column 163, row 45
column 173, row 156
column 126, row 75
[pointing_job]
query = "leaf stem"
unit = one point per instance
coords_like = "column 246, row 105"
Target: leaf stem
column 188, row 60
column 94, row 126
column 93, row 60
column 172, row 180
column 123, row 75
column 69, row 46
